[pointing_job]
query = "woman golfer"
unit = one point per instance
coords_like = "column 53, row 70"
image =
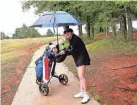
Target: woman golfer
column 78, row 50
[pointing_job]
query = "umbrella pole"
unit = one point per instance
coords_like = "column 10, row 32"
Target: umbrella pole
column 57, row 36
column 57, row 40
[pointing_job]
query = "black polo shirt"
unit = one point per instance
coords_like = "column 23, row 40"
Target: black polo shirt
column 78, row 50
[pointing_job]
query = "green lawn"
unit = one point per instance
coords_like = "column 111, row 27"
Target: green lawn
column 109, row 44
column 9, row 47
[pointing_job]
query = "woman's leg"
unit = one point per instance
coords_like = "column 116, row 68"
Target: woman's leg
column 80, row 94
column 83, row 85
column 81, row 74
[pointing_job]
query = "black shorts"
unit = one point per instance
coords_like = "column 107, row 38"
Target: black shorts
column 80, row 63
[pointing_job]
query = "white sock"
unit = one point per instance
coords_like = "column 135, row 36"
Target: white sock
column 81, row 90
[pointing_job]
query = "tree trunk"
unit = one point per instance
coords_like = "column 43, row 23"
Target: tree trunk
column 129, row 21
column 79, row 26
column 113, row 27
column 101, row 29
column 88, row 26
column 114, row 31
column 123, row 27
column 92, row 32
column 120, row 25
column 123, row 24
column 106, row 28
column 80, row 29
column 1, row 36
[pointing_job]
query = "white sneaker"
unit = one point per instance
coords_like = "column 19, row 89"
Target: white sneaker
column 85, row 98
column 79, row 95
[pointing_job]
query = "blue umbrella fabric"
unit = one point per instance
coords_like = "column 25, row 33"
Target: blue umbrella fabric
column 56, row 19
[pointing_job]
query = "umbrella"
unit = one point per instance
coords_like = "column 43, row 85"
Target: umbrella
column 56, row 19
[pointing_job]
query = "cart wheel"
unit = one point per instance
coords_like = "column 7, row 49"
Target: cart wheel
column 44, row 89
column 38, row 82
column 63, row 79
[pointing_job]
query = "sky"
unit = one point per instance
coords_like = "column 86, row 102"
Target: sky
column 12, row 17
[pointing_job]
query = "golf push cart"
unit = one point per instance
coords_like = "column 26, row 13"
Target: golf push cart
column 45, row 68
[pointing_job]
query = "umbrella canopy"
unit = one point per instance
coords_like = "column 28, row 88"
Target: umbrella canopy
column 56, row 19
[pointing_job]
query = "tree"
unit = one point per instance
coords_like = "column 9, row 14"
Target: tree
column 73, row 7
column 49, row 33
column 3, row 36
column 128, row 9
column 26, row 32
column 96, row 15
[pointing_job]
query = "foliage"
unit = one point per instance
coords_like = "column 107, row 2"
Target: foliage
column 3, row 36
column 26, row 32
column 65, row 44
column 49, row 33
column 98, row 16
column 97, row 98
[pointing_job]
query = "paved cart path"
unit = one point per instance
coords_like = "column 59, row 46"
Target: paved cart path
column 28, row 91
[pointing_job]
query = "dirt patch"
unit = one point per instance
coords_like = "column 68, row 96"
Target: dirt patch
column 109, row 34
column 13, row 72
column 104, row 35
column 135, row 35
column 114, row 79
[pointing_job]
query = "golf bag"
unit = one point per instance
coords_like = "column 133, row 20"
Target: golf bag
column 44, row 61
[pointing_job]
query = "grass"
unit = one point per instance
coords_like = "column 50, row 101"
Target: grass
column 112, row 45
column 97, row 98
column 10, row 46
column 95, row 95
column 13, row 44
column 108, row 44
column 10, row 55
column 13, row 86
